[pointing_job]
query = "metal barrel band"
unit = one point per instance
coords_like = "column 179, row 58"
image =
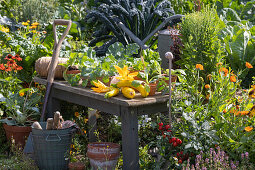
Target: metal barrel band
column 53, row 140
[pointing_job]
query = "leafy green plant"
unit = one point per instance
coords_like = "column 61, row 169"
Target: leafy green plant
column 20, row 107
column 199, row 36
column 141, row 18
column 238, row 37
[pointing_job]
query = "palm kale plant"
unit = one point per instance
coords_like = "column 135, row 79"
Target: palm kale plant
column 141, row 17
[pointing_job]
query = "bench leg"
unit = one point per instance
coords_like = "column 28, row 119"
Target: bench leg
column 130, row 145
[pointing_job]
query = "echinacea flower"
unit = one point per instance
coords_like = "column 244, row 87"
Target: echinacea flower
column 223, row 70
column 248, row 65
column 9, row 57
column 2, row 67
column 248, row 128
column 199, row 66
column 207, row 86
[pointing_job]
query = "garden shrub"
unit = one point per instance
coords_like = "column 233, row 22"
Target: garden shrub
column 199, row 34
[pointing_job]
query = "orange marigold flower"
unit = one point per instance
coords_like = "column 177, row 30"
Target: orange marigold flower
column 224, row 111
column 21, row 94
column 207, row 96
column 24, row 23
column 233, row 78
column 223, row 70
column 76, row 114
column 33, row 27
column 220, row 63
column 242, row 113
column 35, row 24
column 248, row 128
column 248, row 65
column 84, row 131
column 199, row 66
column 207, row 86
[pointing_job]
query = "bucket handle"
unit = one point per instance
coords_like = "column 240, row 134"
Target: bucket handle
column 53, row 140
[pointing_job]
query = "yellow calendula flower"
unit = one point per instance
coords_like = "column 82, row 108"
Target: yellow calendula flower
column 34, row 31
column 248, row 128
column 251, row 93
column 28, row 21
column 21, row 94
column 76, row 114
column 24, row 23
column 199, row 66
column 4, row 29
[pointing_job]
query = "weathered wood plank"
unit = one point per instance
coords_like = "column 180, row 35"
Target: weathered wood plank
column 119, row 100
column 130, row 145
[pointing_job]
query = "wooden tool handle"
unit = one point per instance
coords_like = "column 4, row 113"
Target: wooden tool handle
column 54, row 61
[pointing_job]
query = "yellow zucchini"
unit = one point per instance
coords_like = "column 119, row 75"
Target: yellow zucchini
column 128, row 92
column 113, row 92
column 143, row 89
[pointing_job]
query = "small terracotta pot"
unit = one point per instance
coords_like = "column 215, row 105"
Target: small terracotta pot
column 18, row 133
column 153, row 89
column 76, row 166
column 73, row 71
column 103, row 155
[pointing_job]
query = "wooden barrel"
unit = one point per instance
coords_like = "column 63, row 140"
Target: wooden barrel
column 42, row 67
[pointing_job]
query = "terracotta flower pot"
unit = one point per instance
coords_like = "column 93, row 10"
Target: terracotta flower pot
column 76, row 166
column 153, row 89
column 103, row 155
column 73, row 71
column 18, row 133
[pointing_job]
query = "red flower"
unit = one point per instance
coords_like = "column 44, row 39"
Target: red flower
column 181, row 152
column 2, row 67
column 160, row 127
column 169, row 130
column 11, row 63
column 178, row 141
column 170, row 140
column 164, row 136
column 174, row 139
column 180, row 161
column 160, row 124
column 175, row 144
column 167, row 127
column 178, row 154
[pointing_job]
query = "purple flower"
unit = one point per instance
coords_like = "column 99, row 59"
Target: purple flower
column 206, row 160
column 242, row 155
column 204, row 168
column 246, row 155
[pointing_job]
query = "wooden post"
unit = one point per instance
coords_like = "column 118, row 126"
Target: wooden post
column 170, row 57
